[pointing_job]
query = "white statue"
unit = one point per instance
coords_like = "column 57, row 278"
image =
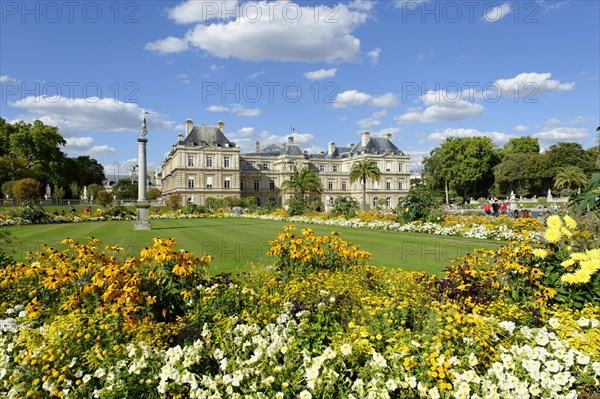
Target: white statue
column 144, row 128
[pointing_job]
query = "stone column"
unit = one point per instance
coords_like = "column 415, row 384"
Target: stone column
column 142, row 205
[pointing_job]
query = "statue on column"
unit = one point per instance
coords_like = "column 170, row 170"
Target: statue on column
column 144, row 128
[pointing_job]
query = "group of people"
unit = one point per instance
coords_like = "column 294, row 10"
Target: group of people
column 503, row 208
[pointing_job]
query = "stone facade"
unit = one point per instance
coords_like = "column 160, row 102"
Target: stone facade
column 204, row 163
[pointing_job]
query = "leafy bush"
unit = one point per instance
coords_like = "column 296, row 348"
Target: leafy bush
column 174, row 201
column 118, row 211
column 214, row 203
column 193, row 208
column 346, row 206
column 33, row 213
column 296, row 206
column 419, row 204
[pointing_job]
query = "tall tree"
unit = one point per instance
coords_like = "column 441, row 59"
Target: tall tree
column 567, row 153
column 464, row 165
column 364, row 170
column 570, row 175
column 521, row 145
column 302, row 182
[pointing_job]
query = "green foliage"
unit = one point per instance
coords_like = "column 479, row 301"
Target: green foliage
column 296, row 206
column 118, row 211
column 569, row 175
column 104, row 198
column 93, row 190
column 174, row 201
column 463, row 165
column 58, row 192
column 270, row 205
column 6, row 239
column 26, row 190
column 364, row 170
column 419, row 204
column 75, row 190
column 193, row 208
column 125, row 189
column 7, row 188
column 345, row 206
column 153, row 193
column 521, row 145
column 32, row 212
column 302, row 182
column 214, row 203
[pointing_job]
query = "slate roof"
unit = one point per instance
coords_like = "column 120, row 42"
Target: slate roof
column 207, row 135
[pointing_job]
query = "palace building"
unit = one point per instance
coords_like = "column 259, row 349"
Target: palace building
column 204, row 163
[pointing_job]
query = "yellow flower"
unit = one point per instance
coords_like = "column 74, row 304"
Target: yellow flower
column 540, row 253
column 553, row 235
column 554, row 222
column 570, row 222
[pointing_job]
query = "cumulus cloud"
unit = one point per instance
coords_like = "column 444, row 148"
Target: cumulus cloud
column 184, row 78
column 7, row 79
column 521, row 128
column 168, row 45
column 527, row 85
column 562, row 134
column 236, row 109
column 498, row 137
column 441, row 106
column 496, row 13
column 374, row 55
column 374, row 120
column 281, row 31
column 553, row 122
column 351, row 98
column 89, row 114
column 321, row 74
column 83, row 146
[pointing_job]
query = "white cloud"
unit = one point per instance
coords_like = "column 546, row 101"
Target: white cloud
column 578, row 120
column 553, row 122
column 374, row 120
column 215, row 67
column 184, row 78
column 246, row 131
column 83, row 146
column 521, row 128
column 427, row 54
column 281, row 31
column 387, row 100
column 321, row 74
column 168, row 45
column 385, row 131
column 496, row 13
column 199, row 11
column 89, row 114
column 551, row 5
column 256, row 74
column 7, row 79
column 374, row 55
column 527, row 85
column 351, row 98
column 236, row 109
column 442, row 106
column 498, row 137
column 562, row 134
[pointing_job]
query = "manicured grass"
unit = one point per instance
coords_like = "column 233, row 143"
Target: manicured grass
column 237, row 243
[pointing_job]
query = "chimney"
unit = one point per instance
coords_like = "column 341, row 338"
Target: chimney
column 180, row 137
column 351, row 145
column 330, row 148
column 388, row 136
column 291, row 140
column 188, row 126
column 221, row 126
column 258, row 146
column 364, row 139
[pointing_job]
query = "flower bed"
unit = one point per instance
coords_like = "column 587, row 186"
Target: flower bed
column 81, row 322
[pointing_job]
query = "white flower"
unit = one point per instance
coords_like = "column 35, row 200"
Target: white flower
column 583, row 359
column 583, row 322
column 473, row 360
column 554, row 323
column 553, row 366
column 346, row 349
column 305, row 394
column 507, row 325
column 434, row 393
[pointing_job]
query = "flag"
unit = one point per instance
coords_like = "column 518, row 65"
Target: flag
column 292, row 129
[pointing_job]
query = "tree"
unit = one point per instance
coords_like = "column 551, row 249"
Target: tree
column 58, row 192
column 301, row 183
column 363, row 170
column 346, row 206
column 566, row 153
column 464, row 165
column 418, row 204
column 27, row 189
column 523, row 173
column 569, row 175
column 93, row 190
column 153, row 193
column 7, row 188
column 521, row 145
column 174, row 201
column 75, row 191
column 104, row 198
column 125, row 189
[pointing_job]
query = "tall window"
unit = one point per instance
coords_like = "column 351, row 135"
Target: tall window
column 321, row 168
column 388, row 202
column 376, row 185
column 400, row 184
column 388, row 166
column 191, row 181
column 190, row 160
column 271, row 184
column 209, row 162
column 344, row 185
column 330, row 185
column 388, row 185
column 400, row 166
column 256, row 184
column 265, row 166
column 374, row 202
column 227, row 182
column 226, row 162
column 209, row 182
column 335, row 168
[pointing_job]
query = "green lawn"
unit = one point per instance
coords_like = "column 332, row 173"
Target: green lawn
column 236, row 243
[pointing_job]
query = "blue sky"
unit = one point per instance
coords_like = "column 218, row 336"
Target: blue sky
column 420, row 70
